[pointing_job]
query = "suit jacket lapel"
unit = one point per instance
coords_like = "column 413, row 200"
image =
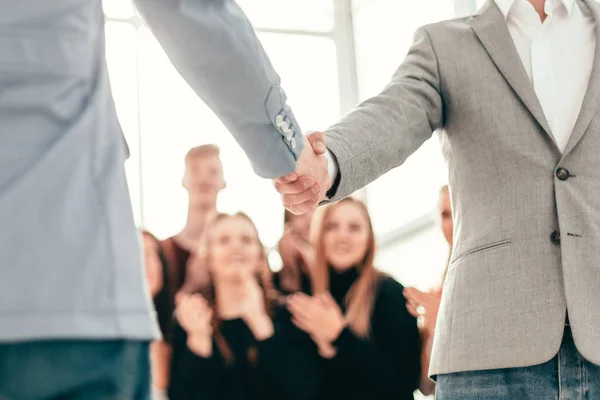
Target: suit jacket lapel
column 490, row 27
column 591, row 100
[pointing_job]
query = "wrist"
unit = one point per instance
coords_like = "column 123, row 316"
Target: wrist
column 326, row 350
column 336, row 332
column 200, row 345
column 261, row 326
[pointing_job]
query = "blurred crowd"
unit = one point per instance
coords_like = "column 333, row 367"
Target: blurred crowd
column 327, row 325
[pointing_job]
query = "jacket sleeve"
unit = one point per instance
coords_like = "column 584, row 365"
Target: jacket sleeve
column 215, row 49
column 381, row 133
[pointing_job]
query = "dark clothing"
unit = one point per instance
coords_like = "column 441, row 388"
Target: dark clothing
column 387, row 366
column 282, row 367
column 75, row 369
column 305, row 284
column 164, row 300
column 177, row 259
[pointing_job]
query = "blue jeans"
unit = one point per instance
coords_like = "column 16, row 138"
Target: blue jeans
column 75, row 370
column 568, row 376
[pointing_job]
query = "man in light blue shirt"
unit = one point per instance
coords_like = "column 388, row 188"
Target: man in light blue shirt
column 75, row 315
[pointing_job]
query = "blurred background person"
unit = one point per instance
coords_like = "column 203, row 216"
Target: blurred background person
column 157, row 275
column 294, row 275
column 425, row 305
column 203, row 180
column 227, row 346
column 368, row 341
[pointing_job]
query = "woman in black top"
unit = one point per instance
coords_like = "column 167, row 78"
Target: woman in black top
column 368, row 342
column 226, row 345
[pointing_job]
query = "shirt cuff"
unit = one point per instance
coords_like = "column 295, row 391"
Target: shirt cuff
column 332, row 165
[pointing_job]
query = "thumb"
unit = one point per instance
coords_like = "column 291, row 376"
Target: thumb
column 317, row 142
column 415, row 295
column 289, row 178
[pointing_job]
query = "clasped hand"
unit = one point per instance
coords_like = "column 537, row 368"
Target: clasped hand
column 303, row 190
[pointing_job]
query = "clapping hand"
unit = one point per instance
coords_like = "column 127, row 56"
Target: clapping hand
column 320, row 317
column 254, row 312
column 195, row 317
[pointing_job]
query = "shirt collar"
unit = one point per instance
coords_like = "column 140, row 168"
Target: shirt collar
column 551, row 5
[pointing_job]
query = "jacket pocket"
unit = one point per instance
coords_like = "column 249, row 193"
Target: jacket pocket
column 480, row 249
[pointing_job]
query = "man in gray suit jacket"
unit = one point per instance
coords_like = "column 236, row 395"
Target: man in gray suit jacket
column 75, row 315
column 514, row 93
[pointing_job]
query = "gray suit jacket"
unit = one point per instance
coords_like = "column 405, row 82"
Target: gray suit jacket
column 70, row 259
column 511, row 279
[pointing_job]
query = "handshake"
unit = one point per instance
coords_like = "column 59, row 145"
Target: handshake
column 302, row 190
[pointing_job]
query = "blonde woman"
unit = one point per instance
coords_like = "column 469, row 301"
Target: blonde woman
column 232, row 342
column 368, row 342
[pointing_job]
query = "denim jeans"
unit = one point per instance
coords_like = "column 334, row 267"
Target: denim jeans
column 75, row 370
column 568, row 376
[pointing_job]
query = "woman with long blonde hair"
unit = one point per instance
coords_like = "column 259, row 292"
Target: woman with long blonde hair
column 231, row 342
column 368, row 342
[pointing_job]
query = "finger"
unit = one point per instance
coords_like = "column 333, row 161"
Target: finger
column 206, row 317
column 179, row 296
column 309, row 195
column 197, row 298
column 300, row 299
column 307, row 206
column 317, row 142
column 298, row 186
column 328, row 299
column 415, row 294
column 291, row 177
column 301, row 311
column 412, row 310
column 413, row 303
column 300, row 324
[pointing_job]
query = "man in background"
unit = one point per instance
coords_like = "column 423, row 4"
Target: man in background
column 203, row 180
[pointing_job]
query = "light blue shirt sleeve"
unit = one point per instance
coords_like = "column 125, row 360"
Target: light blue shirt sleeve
column 215, row 49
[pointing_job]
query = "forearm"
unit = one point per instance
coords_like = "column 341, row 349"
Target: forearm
column 200, row 345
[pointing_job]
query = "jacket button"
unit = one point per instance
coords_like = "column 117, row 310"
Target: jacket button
column 555, row 237
column 562, row 174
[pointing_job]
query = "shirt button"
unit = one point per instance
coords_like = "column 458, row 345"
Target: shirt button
column 279, row 120
column 289, row 133
column 555, row 237
column 284, row 126
column 562, row 174
column 293, row 143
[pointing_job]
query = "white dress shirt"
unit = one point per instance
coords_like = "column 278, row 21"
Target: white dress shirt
column 557, row 54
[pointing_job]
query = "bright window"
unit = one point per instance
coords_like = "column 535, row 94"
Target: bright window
column 163, row 118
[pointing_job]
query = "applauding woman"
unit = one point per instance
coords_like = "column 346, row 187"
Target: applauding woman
column 368, row 342
column 232, row 343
